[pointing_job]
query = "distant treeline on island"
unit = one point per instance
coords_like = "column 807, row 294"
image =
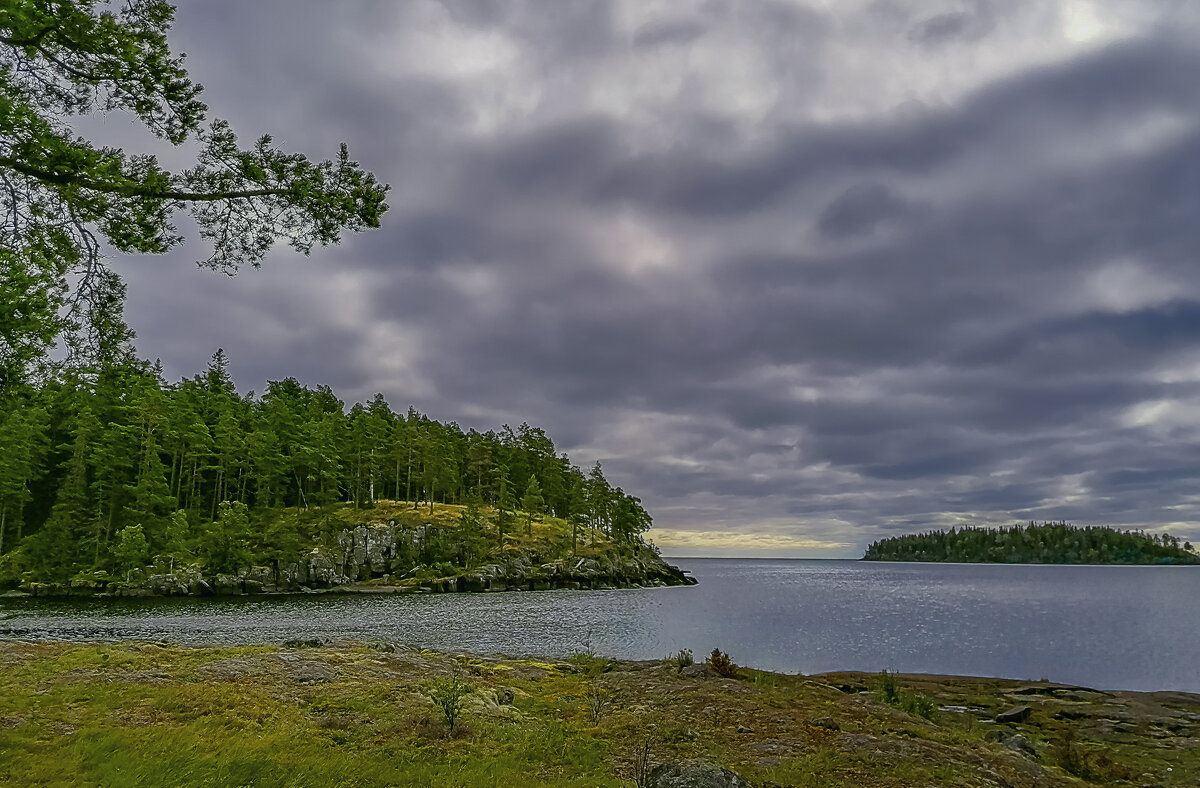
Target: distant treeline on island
column 1035, row 543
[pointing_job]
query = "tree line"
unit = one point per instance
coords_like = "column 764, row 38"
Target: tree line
column 1035, row 543
column 108, row 462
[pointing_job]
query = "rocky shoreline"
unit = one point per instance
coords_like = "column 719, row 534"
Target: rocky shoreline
column 364, row 560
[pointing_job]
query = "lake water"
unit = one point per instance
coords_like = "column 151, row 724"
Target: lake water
column 1105, row 627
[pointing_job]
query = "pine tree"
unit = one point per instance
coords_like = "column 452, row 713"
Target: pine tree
column 470, row 532
column 131, row 549
column 225, row 542
column 23, row 438
column 66, row 199
column 532, row 502
column 60, row 545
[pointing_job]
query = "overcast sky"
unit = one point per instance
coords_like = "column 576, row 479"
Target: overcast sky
column 802, row 274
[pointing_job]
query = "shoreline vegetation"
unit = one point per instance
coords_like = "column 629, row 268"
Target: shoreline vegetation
column 114, row 481
column 382, row 713
column 395, row 547
column 1036, row 543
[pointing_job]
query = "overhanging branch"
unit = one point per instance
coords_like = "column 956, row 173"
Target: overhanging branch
column 133, row 189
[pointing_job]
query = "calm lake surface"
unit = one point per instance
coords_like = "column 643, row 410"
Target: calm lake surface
column 1105, row 627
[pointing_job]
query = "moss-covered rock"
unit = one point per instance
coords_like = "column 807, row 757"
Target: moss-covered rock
column 394, row 547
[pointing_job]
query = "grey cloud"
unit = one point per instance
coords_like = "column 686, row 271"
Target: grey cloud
column 882, row 322
column 968, row 25
column 662, row 33
column 861, row 209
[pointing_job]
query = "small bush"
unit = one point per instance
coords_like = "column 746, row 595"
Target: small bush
column 887, row 688
column 589, row 664
column 920, row 705
column 681, row 659
column 597, row 700
column 722, row 664
column 643, row 761
column 449, row 694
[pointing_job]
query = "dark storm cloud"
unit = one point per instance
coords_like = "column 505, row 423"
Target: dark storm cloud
column 763, row 309
column 861, row 209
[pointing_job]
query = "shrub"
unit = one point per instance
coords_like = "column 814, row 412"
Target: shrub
column 597, row 699
column 681, row 659
column 722, row 664
column 590, row 664
column 449, row 694
column 920, row 705
column 887, row 688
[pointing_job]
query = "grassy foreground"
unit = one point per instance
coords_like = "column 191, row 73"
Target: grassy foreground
column 134, row 714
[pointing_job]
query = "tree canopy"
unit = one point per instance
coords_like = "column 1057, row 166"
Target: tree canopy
column 100, row 471
column 64, row 200
column 1035, row 543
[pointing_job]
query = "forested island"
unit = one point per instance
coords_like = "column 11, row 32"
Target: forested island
column 1035, row 543
column 114, row 481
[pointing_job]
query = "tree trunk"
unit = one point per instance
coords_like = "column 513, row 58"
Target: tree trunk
column 175, row 460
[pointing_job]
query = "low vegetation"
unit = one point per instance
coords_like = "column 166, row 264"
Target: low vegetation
column 366, row 714
column 1044, row 543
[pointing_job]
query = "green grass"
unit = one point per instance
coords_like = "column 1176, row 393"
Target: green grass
column 137, row 714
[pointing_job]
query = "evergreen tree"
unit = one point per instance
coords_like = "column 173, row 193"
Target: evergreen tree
column 470, row 532
column 64, row 196
column 58, row 548
column 504, row 500
column 225, row 542
column 176, row 537
column 131, row 549
column 98, row 450
column 532, row 502
column 23, row 438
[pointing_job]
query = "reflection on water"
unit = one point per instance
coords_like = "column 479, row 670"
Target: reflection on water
column 1108, row 627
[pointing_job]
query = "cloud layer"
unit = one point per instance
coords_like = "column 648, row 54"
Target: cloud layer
column 805, row 272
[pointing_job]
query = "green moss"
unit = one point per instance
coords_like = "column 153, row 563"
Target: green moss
column 138, row 714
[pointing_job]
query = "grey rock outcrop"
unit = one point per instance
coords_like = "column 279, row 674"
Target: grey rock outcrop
column 693, row 774
column 1015, row 714
column 379, row 552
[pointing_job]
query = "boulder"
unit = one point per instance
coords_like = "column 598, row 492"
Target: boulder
column 693, row 774
column 380, row 542
column 227, row 585
column 1018, row 743
column 322, row 571
column 1015, row 714
column 289, row 577
column 700, row 670
column 307, row 672
column 258, row 579
column 358, row 555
